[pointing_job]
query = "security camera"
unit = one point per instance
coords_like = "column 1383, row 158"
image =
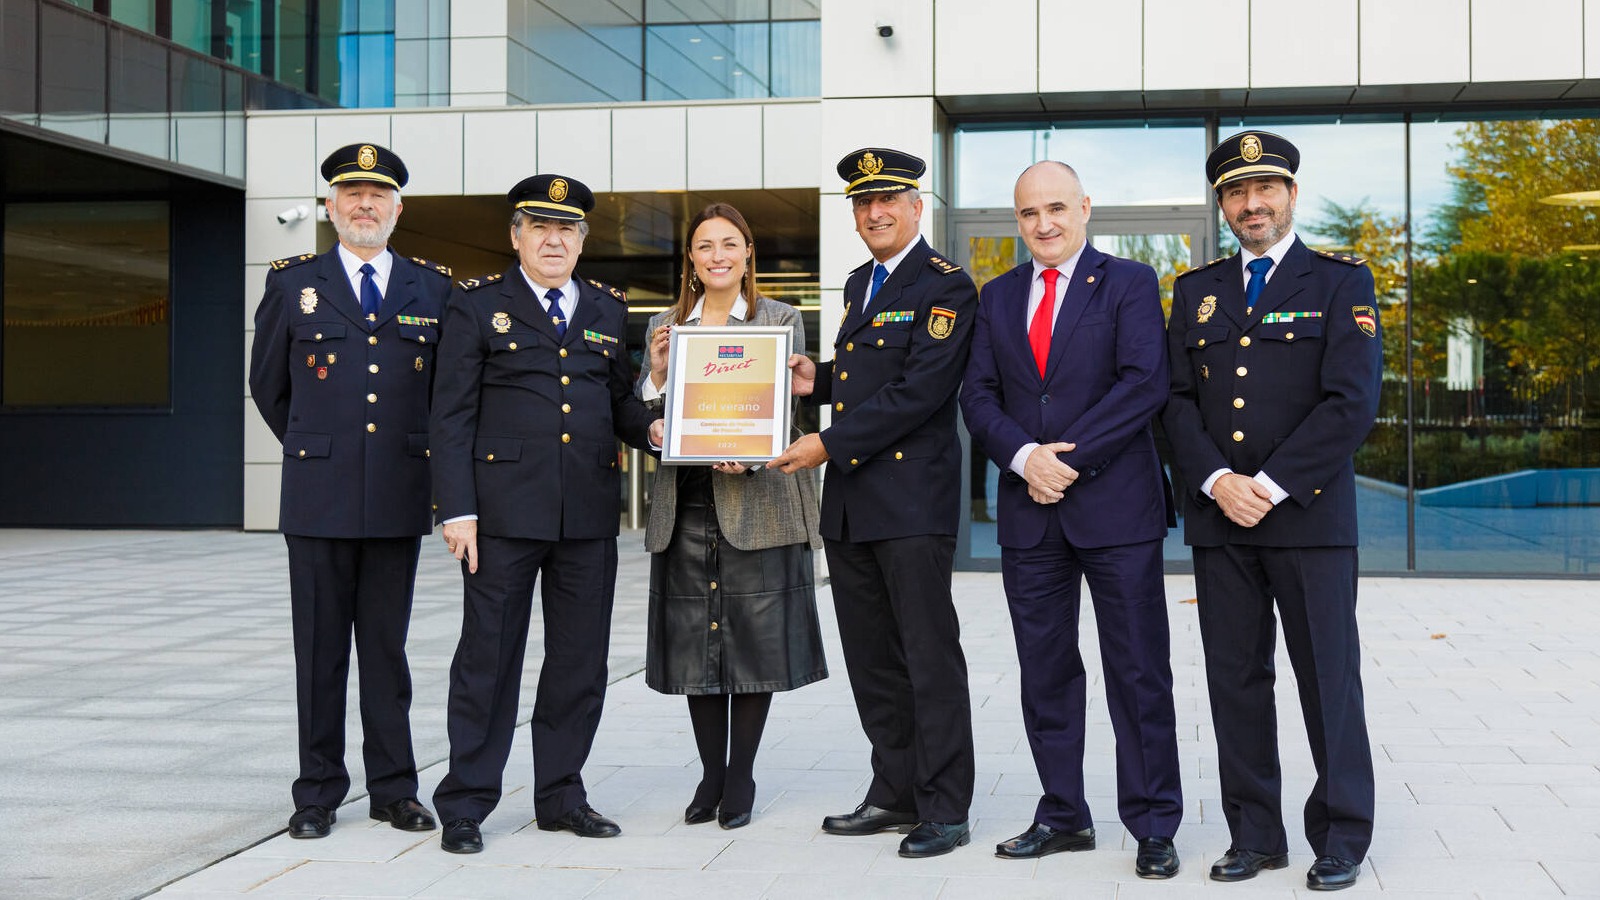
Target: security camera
column 294, row 214
column 885, row 30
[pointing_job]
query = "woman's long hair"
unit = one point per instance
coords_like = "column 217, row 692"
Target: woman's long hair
column 689, row 287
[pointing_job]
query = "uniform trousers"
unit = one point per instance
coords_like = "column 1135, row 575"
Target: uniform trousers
column 340, row 586
column 1043, row 586
column 578, row 584
column 902, row 648
column 1315, row 590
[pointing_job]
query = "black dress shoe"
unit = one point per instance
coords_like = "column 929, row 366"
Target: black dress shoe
column 1042, row 840
column 462, row 836
column 868, row 819
column 934, row 839
column 730, row 821
column 699, row 815
column 1157, row 858
column 406, row 815
column 1332, row 873
column 583, row 822
column 311, row 822
column 1241, row 865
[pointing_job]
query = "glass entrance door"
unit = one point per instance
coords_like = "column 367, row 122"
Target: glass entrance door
column 1171, row 240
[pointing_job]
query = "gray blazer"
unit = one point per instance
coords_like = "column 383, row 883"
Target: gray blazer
column 767, row 509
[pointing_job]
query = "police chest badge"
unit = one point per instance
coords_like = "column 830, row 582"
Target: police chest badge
column 941, row 322
column 1208, row 307
column 500, row 322
column 1366, row 320
column 418, row 364
column 308, row 300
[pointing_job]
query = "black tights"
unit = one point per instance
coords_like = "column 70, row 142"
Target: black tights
column 727, row 731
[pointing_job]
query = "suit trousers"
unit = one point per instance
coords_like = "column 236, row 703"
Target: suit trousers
column 579, row 581
column 340, row 586
column 902, row 648
column 1315, row 590
column 1043, row 585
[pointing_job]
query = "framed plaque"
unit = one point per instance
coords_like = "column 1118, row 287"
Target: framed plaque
column 727, row 394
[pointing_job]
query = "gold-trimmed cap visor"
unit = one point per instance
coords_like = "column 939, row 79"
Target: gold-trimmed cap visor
column 552, row 197
column 1251, row 154
column 365, row 162
column 880, row 170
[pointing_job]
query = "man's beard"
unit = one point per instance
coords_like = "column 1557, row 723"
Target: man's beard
column 367, row 236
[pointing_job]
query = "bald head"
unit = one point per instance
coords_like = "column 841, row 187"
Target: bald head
column 1052, row 211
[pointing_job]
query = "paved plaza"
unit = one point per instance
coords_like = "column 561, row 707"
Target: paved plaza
column 148, row 732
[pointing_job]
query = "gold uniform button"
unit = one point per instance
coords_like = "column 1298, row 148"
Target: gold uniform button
column 605, row 353
column 371, row 428
column 372, row 398
column 373, row 368
column 427, row 453
column 565, row 380
column 1241, row 371
column 512, row 345
column 838, row 407
column 1289, row 336
column 844, row 376
column 713, row 585
column 563, row 353
column 566, row 438
column 849, row 346
column 855, row 462
column 566, row 407
column 421, row 339
column 713, row 626
column 880, row 342
column 1244, row 341
column 899, row 455
column 1317, row 491
column 489, row 458
column 1238, row 403
column 1201, row 342
column 1238, row 435
column 373, row 340
column 302, row 454
column 319, row 336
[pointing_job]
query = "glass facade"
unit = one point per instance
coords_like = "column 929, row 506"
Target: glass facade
column 1483, row 238
column 87, row 311
column 573, row 51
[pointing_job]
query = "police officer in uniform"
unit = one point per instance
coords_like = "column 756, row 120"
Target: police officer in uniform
column 341, row 368
column 890, row 506
column 533, row 391
column 1276, row 362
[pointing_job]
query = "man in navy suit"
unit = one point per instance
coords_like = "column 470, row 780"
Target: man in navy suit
column 890, row 507
column 534, row 390
column 1068, row 370
column 340, row 368
column 1276, row 363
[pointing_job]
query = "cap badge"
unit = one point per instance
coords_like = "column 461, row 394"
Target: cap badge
column 558, row 190
column 869, row 165
column 1250, row 148
column 1208, row 306
column 308, row 300
column 500, row 322
column 367, row 157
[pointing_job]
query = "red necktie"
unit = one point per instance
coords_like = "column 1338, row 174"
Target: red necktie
column 1039, row 330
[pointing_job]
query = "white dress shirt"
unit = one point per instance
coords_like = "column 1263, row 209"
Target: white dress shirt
column 1036, row 297
column 382, row 265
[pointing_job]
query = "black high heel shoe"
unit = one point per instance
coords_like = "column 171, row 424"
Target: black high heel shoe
column 699, row 815
column 730, row 821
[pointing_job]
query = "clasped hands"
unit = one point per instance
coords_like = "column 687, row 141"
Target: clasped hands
column 1244, row 500
column 1047, row 476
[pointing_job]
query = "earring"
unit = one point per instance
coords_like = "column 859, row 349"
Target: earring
column 694, row 282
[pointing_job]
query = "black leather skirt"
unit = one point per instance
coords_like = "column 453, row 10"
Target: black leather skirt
column 724, row 620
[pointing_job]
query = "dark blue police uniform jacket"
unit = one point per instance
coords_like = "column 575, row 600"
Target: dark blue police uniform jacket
column 1290, row 389
column 525, row 425
column 894, row 466
column 347, row 397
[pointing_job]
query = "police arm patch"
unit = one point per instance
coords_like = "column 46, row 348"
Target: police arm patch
column 1366, row 320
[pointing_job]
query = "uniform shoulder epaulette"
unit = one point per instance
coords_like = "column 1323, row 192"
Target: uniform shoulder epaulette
column 1202, row 268
column 432, row 266
column 942, row 266
column 608, row 289
column 472, row 284
column 289, row 262
column 1345, row 258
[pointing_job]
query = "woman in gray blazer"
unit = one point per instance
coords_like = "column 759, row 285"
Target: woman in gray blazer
column 733, row 612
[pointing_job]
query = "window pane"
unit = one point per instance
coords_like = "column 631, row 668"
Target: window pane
column 138, row 93
column 73, row 73
column 1507, row 342
column 86, row 307
column 19, row 61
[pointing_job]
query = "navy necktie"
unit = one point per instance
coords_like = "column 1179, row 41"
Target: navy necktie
column 554, row 299
column 1258, row 282
column 370, row 298
column 879, row 276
